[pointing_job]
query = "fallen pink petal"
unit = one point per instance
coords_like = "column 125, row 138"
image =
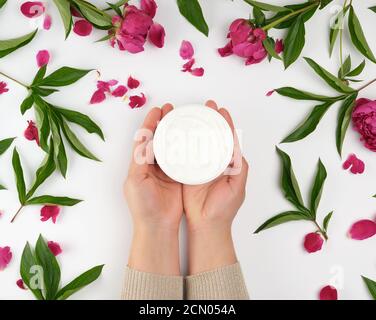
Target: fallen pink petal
column 157, row 35
column 137, row 101
column 43, row 57
column 98, row 96
column 82, row 28
column 313, row 242
column 20, row 284
column 356, row 165
column 362, row 229
column 328, row 293
column 54, row 248
column 31, row 132
column 120, row 91
column 106, row 85
column 5, row 257
column 47, row 22
column 3, row 87
column 198, row 72
column 32, row 9
column 187, row 67
column 133, row 83
column 49, row 212
column 186, row 50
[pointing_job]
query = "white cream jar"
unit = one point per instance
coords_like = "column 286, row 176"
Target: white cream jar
column 193, row 144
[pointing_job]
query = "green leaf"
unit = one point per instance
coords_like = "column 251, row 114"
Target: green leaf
column 8, row 46
column 43, row 92
column 344, row 117
column 327, row 220
column 289, row 184
column 115, row 8
column 267, row 7
column 294, row 42
column 371, row 285
column 345, row 68
column 5, row 144
column 269, row 45
column 28, row 262
column 302, row 95
column 357, row 36
column 18, row 172
column 191, row 10
column 27, row 104
column 259, row 16
column 281, row 218
column 357, row 71
column 2, row 3
column 373, row 9
column 60, row 154
column 329, row 78
column 51, row 269
column 76, row 144
column 324, row 3
column 106, row 37
column 63, row 77
column 317, row 187
column 98, row 18
column 46, row 199
column 309, row 124
column 46, row 169
column 335, row 28
column 80, row 282
column 117, row 4
column 43, row 123
column 81, row 119
column 66, row 15
column 40, row 74
column 2, row 187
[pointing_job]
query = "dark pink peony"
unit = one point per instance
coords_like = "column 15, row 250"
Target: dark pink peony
column 245, row 42
column 313, row 242
column 31, row 132
column 362, row 229
column 3, row 87
column 364, row 121
column 328, row 293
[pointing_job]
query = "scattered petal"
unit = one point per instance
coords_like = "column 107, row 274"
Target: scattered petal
column 269, row 93
column 198, row 72
column 357, row 165
column 137, row 101
column 149, row 7
column 187, row 67
column 186, row 50
column 5, row 257
column 3, row 87
column 328, row 293
column 120, row 91
column 82, row 28
column 362, row 229
column 106, row 85
column 43, row 57
column 157, row 35
column 31, row 132
column 313, row 242
column 20, row 284
column 279, row 46
column 98, row 97
column 47, row 22
column 133, row 83
column 32, row 9
column 54, row 247
column 49, row 212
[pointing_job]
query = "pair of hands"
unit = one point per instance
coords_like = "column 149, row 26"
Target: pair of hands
column 157, row 203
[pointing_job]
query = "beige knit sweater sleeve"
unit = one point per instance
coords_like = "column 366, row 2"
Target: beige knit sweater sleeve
column 225, row 283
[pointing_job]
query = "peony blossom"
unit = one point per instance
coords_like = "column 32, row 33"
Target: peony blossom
column 43, row 57
column 31, row 132
column 32, row 9
column 313, row 242
column 3, row 87
column 54, row 248
column 245, row 42
column 5, row 257
column 362, row 229
column 328, row 293
column 20, row 284
column 82, row 28
column 364, row 121
column 357, row 165
column 137, row 101
column 186, row 50
column 49, row 212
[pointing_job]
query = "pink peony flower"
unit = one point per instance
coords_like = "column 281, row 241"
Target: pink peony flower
column 328, row 293
column 364, row 121
column 157, row 35
column 362, row 229
column 47, row 22
column 245, row 42
column 49, row 212
column 137, row 101
column 313, row 242
column 54, row 248
column 20, row 284
column 3, row 87
column 82, row 28
column 31, row 132
column 43, row 57
column 133, row 83
column 32, row 9
column 279, row 47
column 5, row 257
column 186, row 50
column 120, row 91
column 357, row 165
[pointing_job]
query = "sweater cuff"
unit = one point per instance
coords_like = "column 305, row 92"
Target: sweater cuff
column 148, row 286
column 225, row 283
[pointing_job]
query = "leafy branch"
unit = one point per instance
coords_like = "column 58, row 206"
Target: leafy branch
column 292, row 193
column 371, row 286
column 40, row 272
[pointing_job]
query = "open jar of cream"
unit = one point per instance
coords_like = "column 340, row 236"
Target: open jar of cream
column 193, row 144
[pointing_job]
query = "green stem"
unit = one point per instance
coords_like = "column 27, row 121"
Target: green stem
column 15, row 80
column 367, row 84
column 15, row 216
column 324, row 234
column 288, row 16
column 341, row 40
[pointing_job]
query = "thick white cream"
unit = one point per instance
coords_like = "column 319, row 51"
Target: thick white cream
column 193, row 144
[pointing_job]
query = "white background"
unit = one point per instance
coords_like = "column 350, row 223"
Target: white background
column 98, row 231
